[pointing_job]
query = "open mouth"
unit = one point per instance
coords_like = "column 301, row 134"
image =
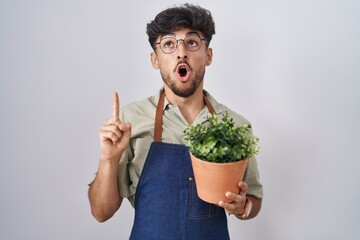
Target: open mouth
column 183, row 71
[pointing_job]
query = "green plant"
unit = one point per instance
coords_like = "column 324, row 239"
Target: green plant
column 218, row 140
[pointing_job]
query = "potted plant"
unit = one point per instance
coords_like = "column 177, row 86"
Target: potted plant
column 219, row 152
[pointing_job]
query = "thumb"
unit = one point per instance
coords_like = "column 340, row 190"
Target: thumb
column 243, row 188
column 125, row 128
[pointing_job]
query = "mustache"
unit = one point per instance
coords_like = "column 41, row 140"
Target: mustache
column 182, row 62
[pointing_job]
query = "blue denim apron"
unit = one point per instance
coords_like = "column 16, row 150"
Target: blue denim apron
column 167, row 206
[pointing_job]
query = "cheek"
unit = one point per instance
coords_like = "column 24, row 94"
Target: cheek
column 201, row 62
column 166, row 64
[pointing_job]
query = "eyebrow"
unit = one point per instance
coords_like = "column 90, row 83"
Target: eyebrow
column 192, row 33
column 186, row 34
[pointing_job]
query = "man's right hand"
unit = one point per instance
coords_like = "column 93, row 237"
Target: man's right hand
column 114, row 135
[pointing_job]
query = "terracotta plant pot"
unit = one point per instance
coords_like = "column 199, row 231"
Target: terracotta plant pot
column 213, row 180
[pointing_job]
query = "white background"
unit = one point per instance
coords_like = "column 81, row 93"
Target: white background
column 291, row 67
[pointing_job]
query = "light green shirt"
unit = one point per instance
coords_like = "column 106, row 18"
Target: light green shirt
column 141, row 115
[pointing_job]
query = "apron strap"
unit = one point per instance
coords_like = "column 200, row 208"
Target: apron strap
column 159, row 115
column 158, row 118
column 209, row 105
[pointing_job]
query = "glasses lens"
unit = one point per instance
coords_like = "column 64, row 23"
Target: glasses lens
column 168, row 45
column 192, row 43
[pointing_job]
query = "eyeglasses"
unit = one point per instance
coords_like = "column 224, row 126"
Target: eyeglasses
column 169, row 45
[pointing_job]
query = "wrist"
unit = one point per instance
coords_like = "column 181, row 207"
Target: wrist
column 110, row 159
column 108, row 162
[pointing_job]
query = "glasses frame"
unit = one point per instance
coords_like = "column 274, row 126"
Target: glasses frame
column 183, row 40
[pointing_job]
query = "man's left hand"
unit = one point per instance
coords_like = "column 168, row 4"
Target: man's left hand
column 238, row 200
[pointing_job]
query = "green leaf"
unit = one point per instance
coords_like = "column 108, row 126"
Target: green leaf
column 218, row 140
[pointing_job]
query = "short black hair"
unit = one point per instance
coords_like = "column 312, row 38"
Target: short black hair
column 184, row 16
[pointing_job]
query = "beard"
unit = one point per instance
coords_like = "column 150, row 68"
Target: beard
column 184, row 91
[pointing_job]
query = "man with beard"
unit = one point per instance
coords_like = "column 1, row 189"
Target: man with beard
column 143, row 156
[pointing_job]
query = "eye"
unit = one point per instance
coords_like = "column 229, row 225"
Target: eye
column 192, row 43
column 168, row 43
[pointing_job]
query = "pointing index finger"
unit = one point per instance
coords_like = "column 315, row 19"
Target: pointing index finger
column 116, row 108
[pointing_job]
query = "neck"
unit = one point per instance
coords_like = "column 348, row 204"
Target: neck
column 189, row 107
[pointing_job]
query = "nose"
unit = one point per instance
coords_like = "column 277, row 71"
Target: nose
column 181, row 50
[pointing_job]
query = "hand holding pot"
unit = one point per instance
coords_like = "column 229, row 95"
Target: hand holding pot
column 238, row 200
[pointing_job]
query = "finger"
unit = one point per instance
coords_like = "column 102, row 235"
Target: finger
column 125, row 128
column 225, row 205
column 116, row 108
column 109, row 135
column 236, row 206
column 112, row 128
column 229, row 207
column 234, row 197
column 112, row 121
column 243, row 188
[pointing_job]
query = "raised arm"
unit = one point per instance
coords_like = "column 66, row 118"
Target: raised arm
column 114, row 137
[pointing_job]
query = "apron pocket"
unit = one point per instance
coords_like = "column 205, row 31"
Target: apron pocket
column 199, row 209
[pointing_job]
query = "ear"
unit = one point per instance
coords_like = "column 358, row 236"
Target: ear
column 154, row 60
column 209, row 56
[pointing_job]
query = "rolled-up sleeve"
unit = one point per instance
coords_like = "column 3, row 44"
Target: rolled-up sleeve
column 252, row 178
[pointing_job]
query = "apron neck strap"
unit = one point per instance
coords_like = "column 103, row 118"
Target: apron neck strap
column 159, row 115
